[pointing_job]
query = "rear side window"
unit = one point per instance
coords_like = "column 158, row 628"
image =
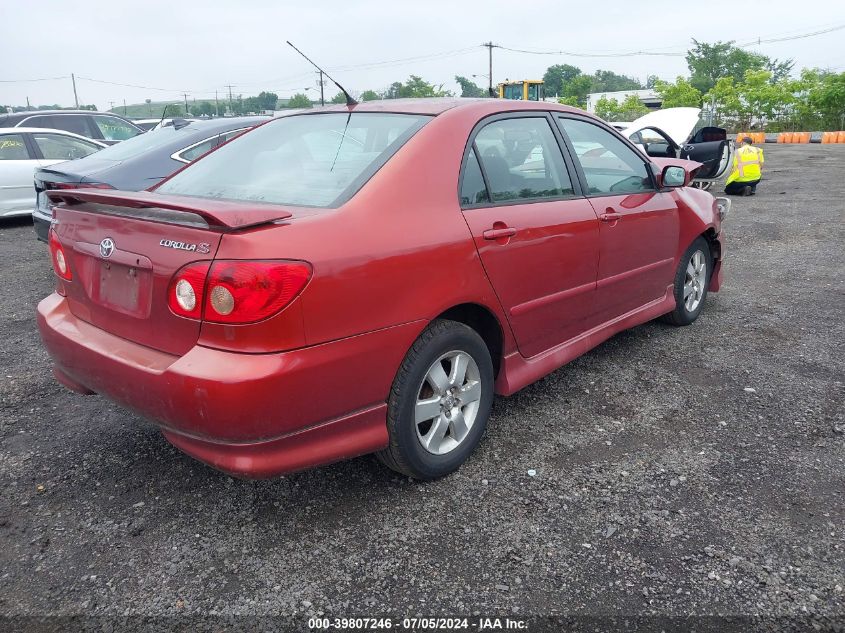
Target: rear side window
column 76, row 123
column 60, row 147
column 12, row 147
column 473, row 189
column 522, row 160
column 317, row 160
column 192, row 153
column 609, row 165
column 114, row 129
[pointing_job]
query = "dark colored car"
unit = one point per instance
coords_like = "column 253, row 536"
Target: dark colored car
column 136, row 164
column 105, row 127
column 365, row 278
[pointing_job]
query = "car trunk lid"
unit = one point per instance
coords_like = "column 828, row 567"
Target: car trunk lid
column 124, row 248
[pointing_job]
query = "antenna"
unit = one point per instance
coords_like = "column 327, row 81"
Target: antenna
column 349, row 100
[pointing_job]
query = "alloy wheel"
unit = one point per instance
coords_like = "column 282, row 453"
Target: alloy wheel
column 447, row 402
column 695, row 281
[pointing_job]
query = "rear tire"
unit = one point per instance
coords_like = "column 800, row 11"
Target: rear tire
column 439, row 402
column 691, row 281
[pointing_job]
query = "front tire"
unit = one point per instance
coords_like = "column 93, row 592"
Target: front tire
column 691, row 281
column 439, row 402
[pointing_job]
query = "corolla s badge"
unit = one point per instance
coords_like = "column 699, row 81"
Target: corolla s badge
column 201, row 248
column 107, row 247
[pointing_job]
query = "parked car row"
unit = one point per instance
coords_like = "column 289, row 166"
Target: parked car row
column 30, row 155
column 25, row 149
column 136, row 164
column 105, row 127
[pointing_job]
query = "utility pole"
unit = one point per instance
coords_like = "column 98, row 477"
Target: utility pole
column 185, row 94
column 322, row 99
column 216, row 105
column 124, row 107
column 490, row 46
column 229, row 86
column 111, row 105
column 75, row 98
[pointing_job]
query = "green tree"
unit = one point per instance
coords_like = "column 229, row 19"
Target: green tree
column 339, row 98
column 267, row 100
column 570, row 101
column 679, row 94
column 557, row 77
column 469, row 88
column 609, row 81
column 370, row 95
column 825, row 96
column 628, row 110
column 299, row 100
column 578, row 88
column 202, row 108
column 3, row 109
column 710, row 62
column 415, row 87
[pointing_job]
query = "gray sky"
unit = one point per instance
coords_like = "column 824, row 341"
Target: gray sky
column 186, row 46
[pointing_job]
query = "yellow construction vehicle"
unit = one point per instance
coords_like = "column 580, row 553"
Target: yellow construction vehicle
column 527, row 90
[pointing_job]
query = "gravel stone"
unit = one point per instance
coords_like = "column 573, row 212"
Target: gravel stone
column 766, row 491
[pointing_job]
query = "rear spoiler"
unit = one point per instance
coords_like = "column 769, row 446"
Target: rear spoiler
column 223, row 214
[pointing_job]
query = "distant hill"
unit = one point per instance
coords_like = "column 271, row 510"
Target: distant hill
column 154, row 109
column 146, row 110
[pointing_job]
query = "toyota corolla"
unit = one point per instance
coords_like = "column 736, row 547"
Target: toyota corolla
column 363, row 279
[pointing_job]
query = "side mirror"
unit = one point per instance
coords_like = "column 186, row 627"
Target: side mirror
column 674, row 176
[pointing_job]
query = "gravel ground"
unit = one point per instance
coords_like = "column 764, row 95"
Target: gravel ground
column 670, row 472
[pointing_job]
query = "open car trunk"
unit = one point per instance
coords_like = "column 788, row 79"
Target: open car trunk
column 123, row 250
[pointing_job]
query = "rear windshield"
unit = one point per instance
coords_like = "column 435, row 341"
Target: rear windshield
column 142, row 143
column 316, row 160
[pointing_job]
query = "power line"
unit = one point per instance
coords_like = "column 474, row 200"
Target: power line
column 789, row 38
column 20, row 81
column 574, row 54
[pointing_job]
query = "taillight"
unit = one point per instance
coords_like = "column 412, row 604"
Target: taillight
column 236, row 292
column 77, row 185
column 186, row 291
column 250, row 291
column 60, row 263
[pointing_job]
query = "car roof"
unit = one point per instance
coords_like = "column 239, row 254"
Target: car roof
column 16, row 116
column 223, row 124
column 41, row 130
column 438, row 105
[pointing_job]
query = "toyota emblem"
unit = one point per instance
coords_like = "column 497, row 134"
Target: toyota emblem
column 107, row 247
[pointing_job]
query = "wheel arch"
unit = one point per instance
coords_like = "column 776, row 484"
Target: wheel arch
column 483, row 321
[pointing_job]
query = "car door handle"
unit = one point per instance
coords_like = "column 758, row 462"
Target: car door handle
column 497, row 234
column 610, row 216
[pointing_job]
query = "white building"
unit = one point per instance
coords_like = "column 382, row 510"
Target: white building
column 648, row 98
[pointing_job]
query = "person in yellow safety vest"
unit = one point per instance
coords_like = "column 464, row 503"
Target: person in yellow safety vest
column 748, row 170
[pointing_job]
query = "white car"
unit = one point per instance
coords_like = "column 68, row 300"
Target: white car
column 677, row 133
column 22, row 151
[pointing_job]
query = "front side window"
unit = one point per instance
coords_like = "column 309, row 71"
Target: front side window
column 609, row 165
column 114, row 129
column 13, row 147
column 522, row 160
column 59, row 147
column 317, row 160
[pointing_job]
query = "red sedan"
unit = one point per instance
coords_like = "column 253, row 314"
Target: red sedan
column 364, row 279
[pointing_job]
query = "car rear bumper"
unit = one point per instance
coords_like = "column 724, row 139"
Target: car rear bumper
column 252, row 415
column 41, row 224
